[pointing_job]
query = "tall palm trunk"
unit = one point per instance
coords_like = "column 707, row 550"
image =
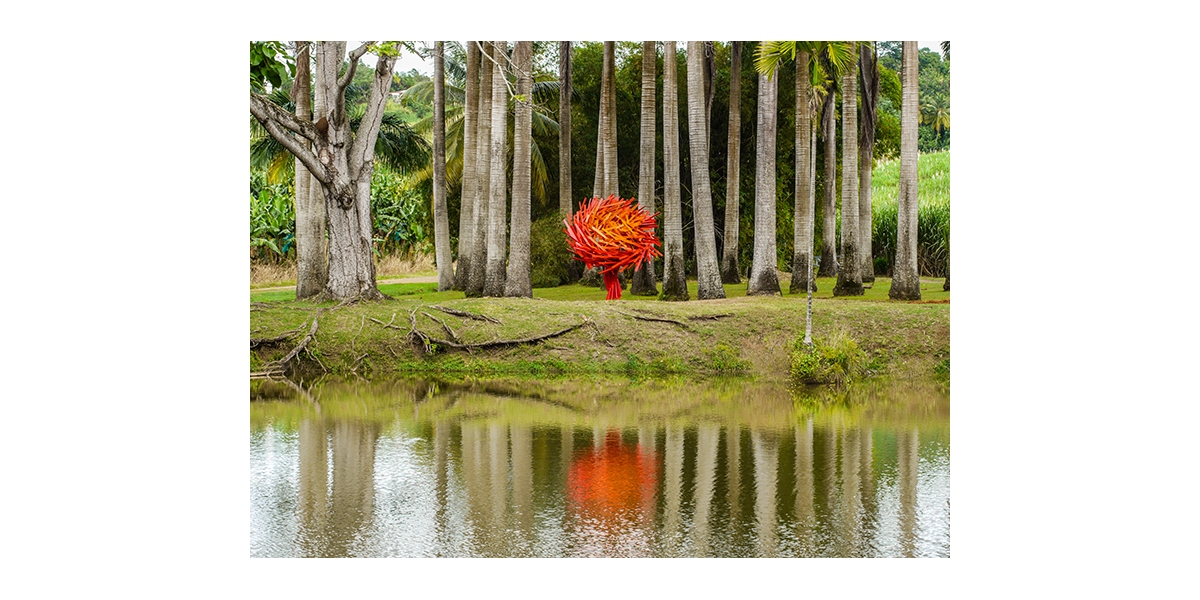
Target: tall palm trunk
column 517, row 282
column 605, row 182
column 730, row 272
column 849, row 282
column 828, row 266
column 483, row 178
column 564, row 129
column 906, row 281
column 441, row 226
column 802, row 237
column 763, row 277
column 643, row 283
column 493, row 282
column 311, row 266
column 707, row 273
column 869, row 77
column 470, row 176
column 674, row 280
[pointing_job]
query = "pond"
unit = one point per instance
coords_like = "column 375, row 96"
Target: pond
column 420, row 468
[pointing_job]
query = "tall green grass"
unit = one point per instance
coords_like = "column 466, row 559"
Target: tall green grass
column 933, row 213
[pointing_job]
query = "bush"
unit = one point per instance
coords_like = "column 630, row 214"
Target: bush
column 549, row 256
column 726, row 360
column 836, row 359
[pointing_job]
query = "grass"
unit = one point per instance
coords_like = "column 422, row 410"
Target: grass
column 933, row 212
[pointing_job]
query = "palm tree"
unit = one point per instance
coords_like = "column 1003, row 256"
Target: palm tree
column 605, row 182
column 483, row 162
column 643, row 283
column 869, row 77
column 469, row 187
column 312, row 267
column 674, row 280
column 849, row 282
column 829, row 266
column 802, row 238
column 763, row 277
column 707, row 274
column 730, row 273
column 906, row 281
column 517, row 282
column 564, row 129
column 493, row 283
column 441, row 227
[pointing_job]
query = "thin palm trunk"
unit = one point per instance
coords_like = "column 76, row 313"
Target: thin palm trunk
column 674, row 280
column 828, row 266
column 311, row 259
column 643, row 283
column 730, row 272
column 470, row 177
column 493, row 282
column 708, row 275
column 764, row 279
column 849, row 282
column 869, row 77
column 802, row 237
column 610, row 132
column 517, row 282
column 812, row 211
column 441, row 227
column 483, row 179
column 564, row 129
column 906, row 281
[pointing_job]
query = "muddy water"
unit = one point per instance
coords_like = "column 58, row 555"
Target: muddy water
column 735, row 469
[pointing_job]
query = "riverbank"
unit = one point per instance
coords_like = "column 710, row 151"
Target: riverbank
column 563, row 335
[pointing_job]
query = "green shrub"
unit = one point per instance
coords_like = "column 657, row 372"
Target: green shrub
column 726, row 360
column 836, row 359
column 549, row 256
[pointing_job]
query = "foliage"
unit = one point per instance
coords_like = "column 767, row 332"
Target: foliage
column 933, row 214
column 724, row 359
column 403, row 221
column 270, row 63
column 835, row 359
column 549, row 254
column 272, row 220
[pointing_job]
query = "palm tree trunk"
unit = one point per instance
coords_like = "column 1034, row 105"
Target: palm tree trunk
column 643, row 283
column 707, row 273
column 730, row 272
column 441, row 227
column 517, row 282
column 470, row 175
column 829, row 266
column 493, row 283
column 869, row 77
column 674, row 280
column 610, row 132
column 802, row 238
column 906, row 281
column 764, row 279
column 564, row 129
column 849, row 282
column 311, row 266
column 483, row 164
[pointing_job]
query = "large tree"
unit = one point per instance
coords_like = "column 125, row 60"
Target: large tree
column 707, row 272
column 517, row 282
column 829, row 266
column 469, row 188
column 441, row 224
column 493, row 282
column 312, row 261
column 483, row 162
column 605, row 182
column 341, row 160
column 674, row 279
column 906, row 281
column 849, row 281
column 564, row 129
column 763, row 277
column 868, row 65
column 803, row 222
column 730, row 272
column 643, row 279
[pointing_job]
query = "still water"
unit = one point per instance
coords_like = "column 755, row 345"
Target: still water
column 649, row 469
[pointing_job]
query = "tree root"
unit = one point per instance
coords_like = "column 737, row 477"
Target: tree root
column 465, row 314
column 426, row 344
column 277, row 366
column 273, row 341
column 709, row 317
column 445, row 327
column 657, row 319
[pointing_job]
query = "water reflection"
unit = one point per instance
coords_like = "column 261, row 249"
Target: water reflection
column 514, row 469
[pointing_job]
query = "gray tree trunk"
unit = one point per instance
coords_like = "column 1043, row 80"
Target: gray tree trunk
column 493, row 282
column 764, row 279
column 906, row 281
column 470, row 177
column 483, row 178
column 311, row 253
column 708, row 274
column 849, row 282
column 643, row 283
column 730, row 271
column 829, row 266
column 517, row 283
column 674, row 280
column 869, row 77
column 802, row 237
column 610, row 141
column 564, row 129
column 441, row 226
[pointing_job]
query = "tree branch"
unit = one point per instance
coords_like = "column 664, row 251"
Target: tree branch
column 279, row 123
column 362, row 152
column 348, row 76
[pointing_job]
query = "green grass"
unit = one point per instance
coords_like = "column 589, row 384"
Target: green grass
column 933, row 212
column 391, row 289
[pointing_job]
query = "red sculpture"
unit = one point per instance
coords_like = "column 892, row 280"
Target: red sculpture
column 612, row 233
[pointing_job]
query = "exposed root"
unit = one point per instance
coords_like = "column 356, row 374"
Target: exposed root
column 273, row 341
column 657, row 319
column 426, row 344
column 445, row 327
column 465, row 314
column 709, row 317
column 312, row 331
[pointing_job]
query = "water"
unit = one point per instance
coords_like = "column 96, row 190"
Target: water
column 516, row 469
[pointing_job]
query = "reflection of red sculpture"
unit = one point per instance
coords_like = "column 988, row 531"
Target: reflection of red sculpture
column 612, row 483
column 612, row 233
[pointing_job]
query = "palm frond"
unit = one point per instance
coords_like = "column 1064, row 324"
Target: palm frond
column 769, row 55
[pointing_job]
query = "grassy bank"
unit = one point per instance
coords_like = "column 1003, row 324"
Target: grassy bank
column 750, row 336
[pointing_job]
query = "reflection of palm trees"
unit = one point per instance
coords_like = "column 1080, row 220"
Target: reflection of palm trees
column 906, row 451
column 733, row 459
column 851, row 502
column 441, row 447
column 498, row 487
column 708, row 438
column 766, row 465
column 805, row 518
column 312, row 501
column 672, row 489
column 522, row 476
column 353, row 504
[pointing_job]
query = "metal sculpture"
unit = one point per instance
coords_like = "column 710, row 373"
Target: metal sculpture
column 612, row 233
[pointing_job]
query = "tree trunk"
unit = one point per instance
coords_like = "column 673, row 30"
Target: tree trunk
column 710, row 86
column 708, row 275
column 643, row 283
column 517, row 282
column 470, row 176
column 493, row 282
column 764, row 279
column 311, row 266
column 674, row 280
column 849, row 282
column 802, row 237
column 611, row 183
column 828, row 266
column 906, row 281
column 483, row 178
column 730, row 272
column 869, row 77
column 564, row 129
column 441, row 226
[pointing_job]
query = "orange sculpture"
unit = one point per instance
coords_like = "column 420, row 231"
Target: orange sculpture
column 612, row 233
